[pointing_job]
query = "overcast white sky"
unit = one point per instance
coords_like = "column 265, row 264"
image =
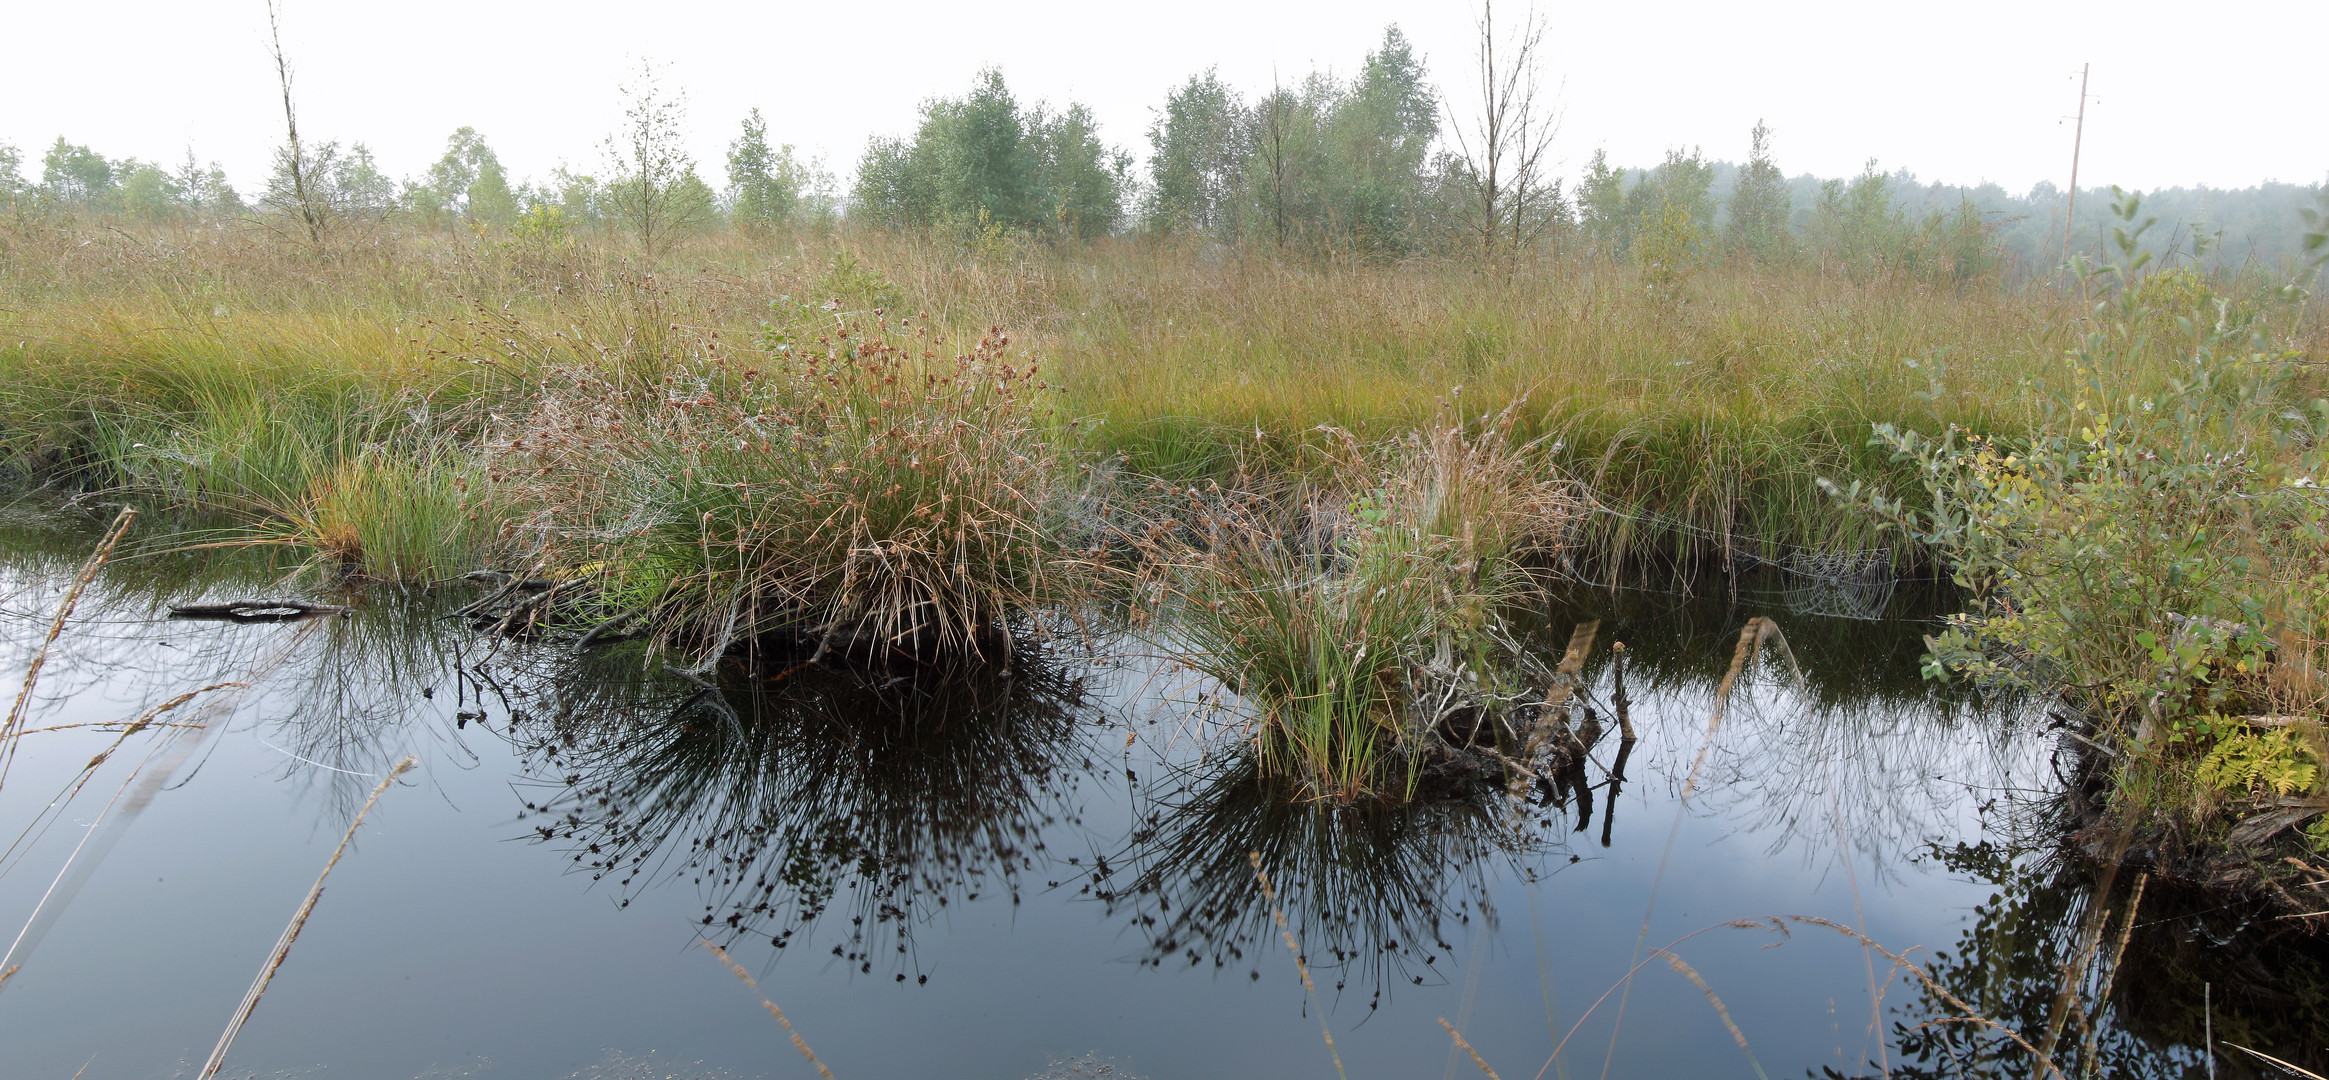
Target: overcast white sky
column 2226, row 93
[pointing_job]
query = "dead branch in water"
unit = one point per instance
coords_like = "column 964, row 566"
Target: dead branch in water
column 255, row 610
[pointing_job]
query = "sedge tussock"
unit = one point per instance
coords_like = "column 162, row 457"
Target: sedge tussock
column 861, row 493
column 1352, row 631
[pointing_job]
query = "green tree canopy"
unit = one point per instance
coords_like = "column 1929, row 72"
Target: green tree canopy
column 1856, row 222
column 981, row 161
column 75, row 175
column 1197, row 159
column 1321, row 163
column 12, row 185
column 1760, row 203
column 1079, row 181
column 765, row 183
column 344, row 182
column 1601, row 202
column 468, row 182
column 1380, row 132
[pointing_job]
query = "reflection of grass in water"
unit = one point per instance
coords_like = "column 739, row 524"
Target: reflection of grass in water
column 1368, row 888
column 777, row 797
column 1852, row 752
column 1684, row 639
column 351, row 690
column 167, row 557
column 2269, row 986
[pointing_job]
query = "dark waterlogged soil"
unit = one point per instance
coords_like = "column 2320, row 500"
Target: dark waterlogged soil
column 1039, row 872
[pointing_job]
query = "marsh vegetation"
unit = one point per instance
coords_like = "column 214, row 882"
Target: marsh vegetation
column 806, row 543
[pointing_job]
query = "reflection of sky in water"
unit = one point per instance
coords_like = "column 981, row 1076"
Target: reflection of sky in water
column 455, row 937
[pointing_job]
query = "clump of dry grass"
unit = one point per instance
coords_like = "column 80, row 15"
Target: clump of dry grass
column 850, row 487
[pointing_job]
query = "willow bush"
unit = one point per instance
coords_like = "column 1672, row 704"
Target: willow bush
column 2155, row 552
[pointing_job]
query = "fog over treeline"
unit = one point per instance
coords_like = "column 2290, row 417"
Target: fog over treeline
column 1375, row 164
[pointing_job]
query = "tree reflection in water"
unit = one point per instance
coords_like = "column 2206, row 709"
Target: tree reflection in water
column 884, row 796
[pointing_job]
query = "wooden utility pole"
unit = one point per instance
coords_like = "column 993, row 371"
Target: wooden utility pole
column 2077, row 141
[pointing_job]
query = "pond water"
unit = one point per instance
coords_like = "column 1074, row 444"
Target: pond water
column 1041, row 873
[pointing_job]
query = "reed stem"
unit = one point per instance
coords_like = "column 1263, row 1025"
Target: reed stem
column 234, row 1026
column 16, row 713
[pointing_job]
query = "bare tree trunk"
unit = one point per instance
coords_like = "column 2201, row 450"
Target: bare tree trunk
column 1492, row 124
column 307, row 209
column 1506, row 149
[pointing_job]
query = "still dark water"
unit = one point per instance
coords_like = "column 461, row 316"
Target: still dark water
column 1045, row 873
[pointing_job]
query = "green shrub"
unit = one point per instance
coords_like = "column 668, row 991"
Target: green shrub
column 402, row 517
column 2156, row 550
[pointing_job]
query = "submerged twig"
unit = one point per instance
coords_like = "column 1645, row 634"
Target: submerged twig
column 1970, row 1015
column 2074, row 968
column 1617, row 697
column 2086, row 1050
column 606, row 631
column 1751, row 637
column 1553, row 710
column 258, row 988
column 2293, row 1070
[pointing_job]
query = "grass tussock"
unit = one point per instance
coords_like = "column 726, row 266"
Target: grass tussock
column 852, row 486
column 399, row 517
column 1352, row 630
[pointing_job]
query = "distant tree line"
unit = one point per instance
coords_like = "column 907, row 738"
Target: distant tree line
column 78, row 178
column 1370, row 166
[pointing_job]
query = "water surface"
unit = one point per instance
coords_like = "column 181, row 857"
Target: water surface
column 985, row 880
